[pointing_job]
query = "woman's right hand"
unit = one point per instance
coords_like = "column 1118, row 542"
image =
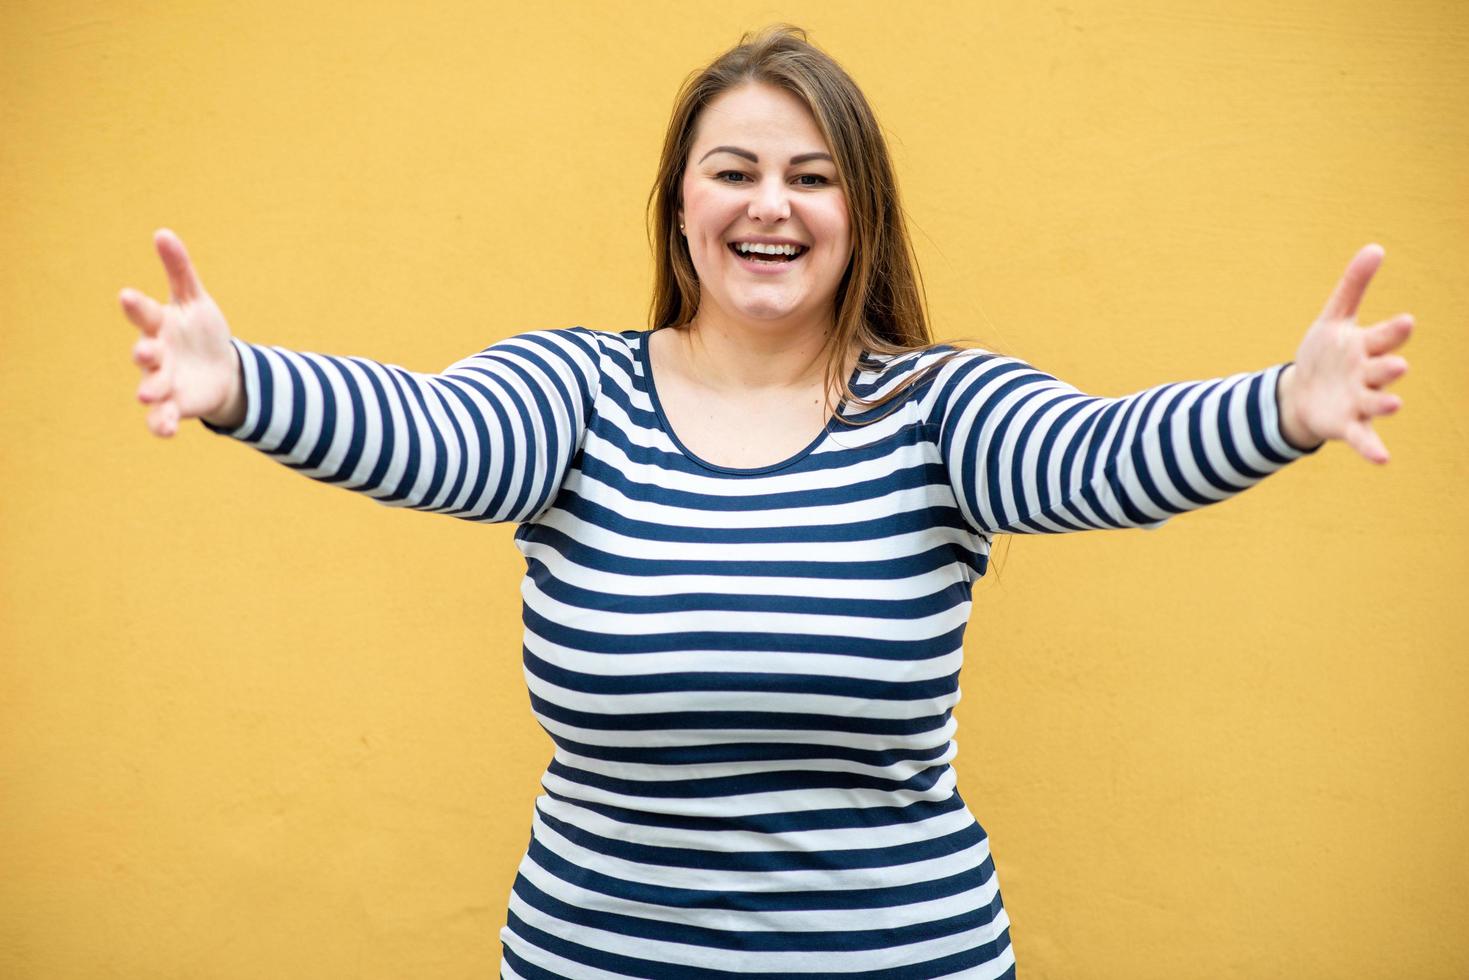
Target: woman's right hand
column 190, row 368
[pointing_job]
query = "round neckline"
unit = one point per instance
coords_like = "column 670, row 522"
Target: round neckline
column 645, row 357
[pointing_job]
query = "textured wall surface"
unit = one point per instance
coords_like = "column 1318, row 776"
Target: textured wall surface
column 253, row 726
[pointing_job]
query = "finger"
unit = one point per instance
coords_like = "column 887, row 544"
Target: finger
column 1359, row 436
column 1377, row 403
column 145, row 312
column 156, row 387
column 147, row 353
column 1389, row 334
column 163, row 419
column 1383, row 370
column 1348, row 293
column 183, row 281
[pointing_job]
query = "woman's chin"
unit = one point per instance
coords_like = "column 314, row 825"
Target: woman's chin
column 757, row 308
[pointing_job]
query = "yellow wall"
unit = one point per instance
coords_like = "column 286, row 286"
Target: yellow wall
column 253, row 726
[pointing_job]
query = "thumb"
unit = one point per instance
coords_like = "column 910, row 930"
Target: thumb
column 183, row 281
column 1347, row 296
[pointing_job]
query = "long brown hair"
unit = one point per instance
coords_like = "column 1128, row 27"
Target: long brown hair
column 880, row 302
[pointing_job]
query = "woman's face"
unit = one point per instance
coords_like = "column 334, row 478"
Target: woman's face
column 759, row 171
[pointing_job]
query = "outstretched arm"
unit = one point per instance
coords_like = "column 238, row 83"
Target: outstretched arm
column 1028, row 453
column 488, row 439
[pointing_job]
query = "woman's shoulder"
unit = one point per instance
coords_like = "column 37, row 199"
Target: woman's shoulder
column 596, row 343
column 620, row 343
column 580, row 349
column 886, row 368
column 925, row 378
column 611, row 339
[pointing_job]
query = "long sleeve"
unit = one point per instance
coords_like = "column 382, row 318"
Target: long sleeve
column 1029, row 454
column 488, row 439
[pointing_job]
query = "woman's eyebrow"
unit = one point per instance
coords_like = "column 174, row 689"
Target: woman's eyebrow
column 798, row 158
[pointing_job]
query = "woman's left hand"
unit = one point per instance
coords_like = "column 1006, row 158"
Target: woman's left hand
column 1334, row 388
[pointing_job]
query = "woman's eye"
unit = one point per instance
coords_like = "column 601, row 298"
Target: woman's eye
column 740, row 178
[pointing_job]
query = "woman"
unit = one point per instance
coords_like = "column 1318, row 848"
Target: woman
column 751, row 534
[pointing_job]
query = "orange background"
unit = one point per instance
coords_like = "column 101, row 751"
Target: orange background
column 253, row 726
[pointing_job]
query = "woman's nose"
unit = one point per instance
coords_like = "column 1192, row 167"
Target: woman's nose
column 770, row 202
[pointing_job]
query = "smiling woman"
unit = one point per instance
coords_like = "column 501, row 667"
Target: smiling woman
column 750, row 536
column 774, row 143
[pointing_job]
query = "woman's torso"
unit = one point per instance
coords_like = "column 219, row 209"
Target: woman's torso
column 749, row 675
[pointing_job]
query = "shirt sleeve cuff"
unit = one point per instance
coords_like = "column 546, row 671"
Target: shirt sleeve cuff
column 1290, row 449
column 250, row 374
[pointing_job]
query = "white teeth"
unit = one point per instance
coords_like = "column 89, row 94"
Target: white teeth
column 765, row 249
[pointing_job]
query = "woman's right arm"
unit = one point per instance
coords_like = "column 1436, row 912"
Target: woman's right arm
column 488, row 439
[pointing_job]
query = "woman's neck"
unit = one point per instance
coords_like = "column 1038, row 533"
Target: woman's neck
column 728, row 357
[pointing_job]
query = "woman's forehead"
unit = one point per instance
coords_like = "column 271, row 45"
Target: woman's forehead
column 758, row 113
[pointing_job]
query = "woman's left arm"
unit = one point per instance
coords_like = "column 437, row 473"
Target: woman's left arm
column 1333, row 390
column 1027, row 453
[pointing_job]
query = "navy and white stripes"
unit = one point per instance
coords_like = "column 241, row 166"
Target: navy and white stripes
column 489, row 439
column 749, row 674
column 1056, row 460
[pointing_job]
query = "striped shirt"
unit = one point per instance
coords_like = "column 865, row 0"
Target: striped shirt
column 750, row 674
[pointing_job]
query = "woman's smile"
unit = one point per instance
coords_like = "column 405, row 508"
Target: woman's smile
column 767, row 260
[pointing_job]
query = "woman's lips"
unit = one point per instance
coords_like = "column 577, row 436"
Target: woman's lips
column 767, row 267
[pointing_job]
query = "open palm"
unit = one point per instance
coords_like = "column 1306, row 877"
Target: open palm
column 1341, row 368
column 190, row 368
